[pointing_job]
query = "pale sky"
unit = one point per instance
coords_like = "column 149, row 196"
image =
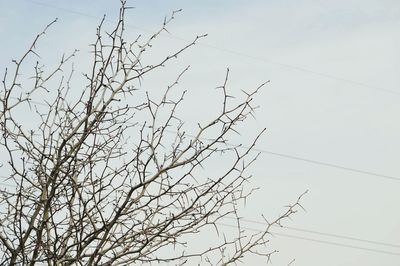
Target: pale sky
column 334, row 97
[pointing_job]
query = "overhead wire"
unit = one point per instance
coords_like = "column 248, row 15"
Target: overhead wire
column 238, row 53
column 287, row 156
column 296, row 158
column 284, row 155
column 327, row 164
column 281, row 64
column 315, row 240
column 303, row 159
column 340, row 236
column 306, row 238
column 331, row 165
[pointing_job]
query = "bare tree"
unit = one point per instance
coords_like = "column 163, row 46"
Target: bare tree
column 110, row 177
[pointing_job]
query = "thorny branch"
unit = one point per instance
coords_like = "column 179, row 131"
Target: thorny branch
column 102, row 181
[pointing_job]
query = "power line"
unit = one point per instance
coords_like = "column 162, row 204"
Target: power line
column 317, row 162
column 238, row 53
column 320, row 233
column 288, row 156
column 305, row 160
column 281, row 64
column 301, row 69
column 331, row 165
column 306, row 231
column 317, row 240
column 290, row 228
column 292, row 157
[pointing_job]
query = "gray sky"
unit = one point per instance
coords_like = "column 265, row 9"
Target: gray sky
column 334, row 97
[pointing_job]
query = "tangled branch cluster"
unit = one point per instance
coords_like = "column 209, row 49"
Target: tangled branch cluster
column 112, row 178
